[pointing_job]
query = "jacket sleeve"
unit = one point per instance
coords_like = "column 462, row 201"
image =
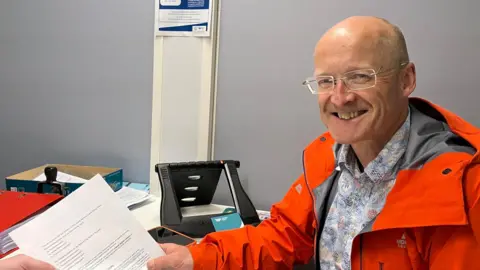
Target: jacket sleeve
column 458, row 247
column 287, row 238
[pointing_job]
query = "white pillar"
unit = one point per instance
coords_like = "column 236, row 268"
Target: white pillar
column 183, row 97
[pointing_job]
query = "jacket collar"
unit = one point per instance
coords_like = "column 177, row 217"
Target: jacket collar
column 420, row 193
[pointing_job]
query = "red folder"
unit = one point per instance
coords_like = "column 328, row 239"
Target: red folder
column 15, row 207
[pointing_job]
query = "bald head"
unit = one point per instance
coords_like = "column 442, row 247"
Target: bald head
column 366, row 34
column 360, row 107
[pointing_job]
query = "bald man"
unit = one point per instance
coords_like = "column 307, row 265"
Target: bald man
column 393, row 184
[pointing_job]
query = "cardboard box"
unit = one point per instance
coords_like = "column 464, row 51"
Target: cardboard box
column 25, row 182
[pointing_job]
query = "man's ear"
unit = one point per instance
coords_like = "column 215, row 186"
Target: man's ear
column 409, row 80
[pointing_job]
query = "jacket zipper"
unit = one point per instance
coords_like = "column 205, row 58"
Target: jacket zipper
column 316, row 251
column 315, row 244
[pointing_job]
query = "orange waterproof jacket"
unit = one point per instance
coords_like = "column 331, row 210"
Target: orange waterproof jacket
column 431, row 218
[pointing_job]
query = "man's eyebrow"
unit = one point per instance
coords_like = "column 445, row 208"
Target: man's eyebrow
column 316, row 74
column 358, row 66
column 344, row 70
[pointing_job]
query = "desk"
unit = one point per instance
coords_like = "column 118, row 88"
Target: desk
column 148, row 214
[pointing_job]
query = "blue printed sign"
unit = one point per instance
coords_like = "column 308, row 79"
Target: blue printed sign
column 184, row 18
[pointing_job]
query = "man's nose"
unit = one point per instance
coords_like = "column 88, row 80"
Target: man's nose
column 341, row 95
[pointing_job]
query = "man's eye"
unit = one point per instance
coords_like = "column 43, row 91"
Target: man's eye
column 326, row 82
column 361, row 77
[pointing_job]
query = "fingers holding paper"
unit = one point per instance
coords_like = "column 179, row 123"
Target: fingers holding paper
column 176, row 257
column 24, row 262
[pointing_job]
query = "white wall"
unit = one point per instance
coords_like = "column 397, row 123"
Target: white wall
column 88, row 66
column 183, row 98
column 76, row 84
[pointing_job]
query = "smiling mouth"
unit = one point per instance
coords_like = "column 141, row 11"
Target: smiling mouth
column 349, row 115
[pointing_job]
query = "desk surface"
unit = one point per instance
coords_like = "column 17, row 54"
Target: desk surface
column 148, row 214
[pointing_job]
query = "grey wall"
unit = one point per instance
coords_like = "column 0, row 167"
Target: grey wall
column 265, row 118
column 76, row 84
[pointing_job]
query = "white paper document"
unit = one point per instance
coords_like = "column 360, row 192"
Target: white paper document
column 89, row 229
column 6, row 242
column 131, row 196
column 63, row 178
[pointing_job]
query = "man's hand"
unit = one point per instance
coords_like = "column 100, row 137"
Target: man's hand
column 177, row 257
column 24, row 262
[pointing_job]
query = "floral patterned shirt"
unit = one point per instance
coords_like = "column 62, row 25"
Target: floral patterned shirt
column 359, row 199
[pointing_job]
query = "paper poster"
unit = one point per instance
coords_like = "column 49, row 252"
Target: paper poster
column 184, row 18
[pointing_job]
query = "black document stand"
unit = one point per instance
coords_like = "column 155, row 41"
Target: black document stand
column 199, row 180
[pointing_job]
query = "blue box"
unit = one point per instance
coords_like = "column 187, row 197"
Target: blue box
column 227, row 222
column 25, row 182
column 140, row 186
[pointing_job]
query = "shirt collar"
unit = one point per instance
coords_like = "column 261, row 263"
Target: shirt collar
column 382, row 167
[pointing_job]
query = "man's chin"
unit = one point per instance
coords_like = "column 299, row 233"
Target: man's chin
column 343, row 141
column 344, row 138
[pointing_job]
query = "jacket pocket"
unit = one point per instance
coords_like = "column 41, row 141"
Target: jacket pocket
column 385, row 250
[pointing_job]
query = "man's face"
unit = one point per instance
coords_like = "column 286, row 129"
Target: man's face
column 353, row 116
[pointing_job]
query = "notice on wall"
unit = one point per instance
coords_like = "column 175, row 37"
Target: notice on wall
column 184, row 18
